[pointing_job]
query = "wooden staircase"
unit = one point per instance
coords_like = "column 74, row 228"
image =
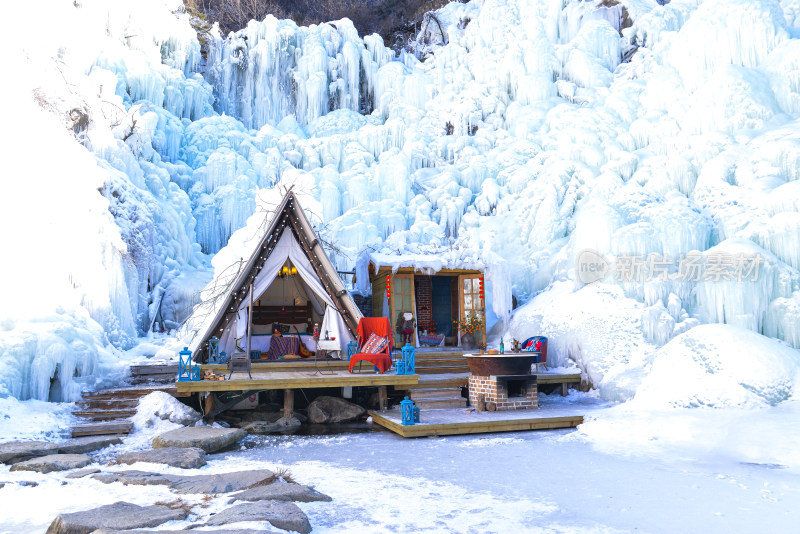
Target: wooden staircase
column 108, row 411
column 440, row 392
column 430, row 362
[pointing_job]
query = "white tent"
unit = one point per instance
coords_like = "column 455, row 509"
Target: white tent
column 289, row 249
column 289, row 239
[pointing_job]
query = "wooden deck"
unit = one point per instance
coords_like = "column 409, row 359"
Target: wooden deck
column 454, row 422
column 288, row 379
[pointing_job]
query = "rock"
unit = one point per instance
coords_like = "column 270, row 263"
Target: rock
column 54, row 462
column 280, row 514
column 134, row 478
column 333, row 410
column 163, row 406
column 87, row 444
column 190, row 458
column 283, row 424
column 24, row 450
column 280, row 491
column 120, row 516
column 80, row 473
column 208, row 438
column 221, row 483
column 24, row 483
column 226, row 531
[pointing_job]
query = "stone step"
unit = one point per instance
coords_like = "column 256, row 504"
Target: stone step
column 441, row 404
column 102, row 429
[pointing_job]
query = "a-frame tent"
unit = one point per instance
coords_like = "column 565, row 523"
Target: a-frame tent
column 289, row 239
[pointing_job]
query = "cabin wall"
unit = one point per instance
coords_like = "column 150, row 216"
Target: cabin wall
column 423, row 293
column 378, row 294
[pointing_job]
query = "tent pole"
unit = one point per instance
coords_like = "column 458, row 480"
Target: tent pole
column 249, row 320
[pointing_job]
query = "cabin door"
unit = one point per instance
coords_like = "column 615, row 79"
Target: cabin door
column 441, row 300
column 402, row 302
column 471, row 302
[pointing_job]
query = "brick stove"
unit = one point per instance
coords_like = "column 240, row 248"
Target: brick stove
column 507, row 392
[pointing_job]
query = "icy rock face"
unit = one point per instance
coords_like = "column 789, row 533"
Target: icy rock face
column 273, row 68
column 533, row 131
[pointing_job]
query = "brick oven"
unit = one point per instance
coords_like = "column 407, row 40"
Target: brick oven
column 506, row 392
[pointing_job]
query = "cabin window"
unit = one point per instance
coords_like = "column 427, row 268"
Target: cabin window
column 471, row 294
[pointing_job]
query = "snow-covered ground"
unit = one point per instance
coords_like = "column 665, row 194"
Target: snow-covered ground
column 676, row 470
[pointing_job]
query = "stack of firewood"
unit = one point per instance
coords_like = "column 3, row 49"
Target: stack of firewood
column 211, row 375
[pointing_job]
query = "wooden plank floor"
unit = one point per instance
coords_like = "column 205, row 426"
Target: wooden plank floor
column 461, row 421
column 262, row 380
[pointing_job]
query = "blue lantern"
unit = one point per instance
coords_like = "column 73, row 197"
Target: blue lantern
column 407, row 364
column 185, row 368
column 407, row 411
column 213, row 350
column 352, row 348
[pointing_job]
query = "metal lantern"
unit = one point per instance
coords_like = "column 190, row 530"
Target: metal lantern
column 213, row 350
column 407, row 364
column 186, row 371
column 352, row 349
column 407, row 411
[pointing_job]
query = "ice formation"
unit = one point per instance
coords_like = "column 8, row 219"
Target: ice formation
column 532, row 131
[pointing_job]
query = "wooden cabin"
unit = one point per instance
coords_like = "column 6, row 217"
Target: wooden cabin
column 435, row 299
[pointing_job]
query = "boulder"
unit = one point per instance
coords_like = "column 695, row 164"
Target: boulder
column 190, row 458
column 208, row 438
column 85, row 472
column 54, row 462
column 221, row 483
column 119, row 516
column 280, row 491
column 284, row 424
column 333, row 410
column 225, row 531
column 87, row 444
column 23, row 450
column 134, row 478
column 210, row 484
column 280, row 514
column 160, row 405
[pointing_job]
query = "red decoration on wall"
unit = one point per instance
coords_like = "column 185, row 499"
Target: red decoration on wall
column 388, row 286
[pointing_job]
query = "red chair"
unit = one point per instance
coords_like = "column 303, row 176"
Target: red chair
column 381, row 327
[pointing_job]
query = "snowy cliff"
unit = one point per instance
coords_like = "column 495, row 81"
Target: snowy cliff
column 661, row 142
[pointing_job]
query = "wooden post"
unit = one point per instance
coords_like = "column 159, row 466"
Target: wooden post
column 382, row 397
column 209, row 402
column 288, row 403
column 564, row 389
column 249, row 321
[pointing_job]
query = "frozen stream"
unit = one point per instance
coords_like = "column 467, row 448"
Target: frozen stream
column 622, row 471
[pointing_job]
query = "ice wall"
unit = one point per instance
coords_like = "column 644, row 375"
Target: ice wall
column 541, row 129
